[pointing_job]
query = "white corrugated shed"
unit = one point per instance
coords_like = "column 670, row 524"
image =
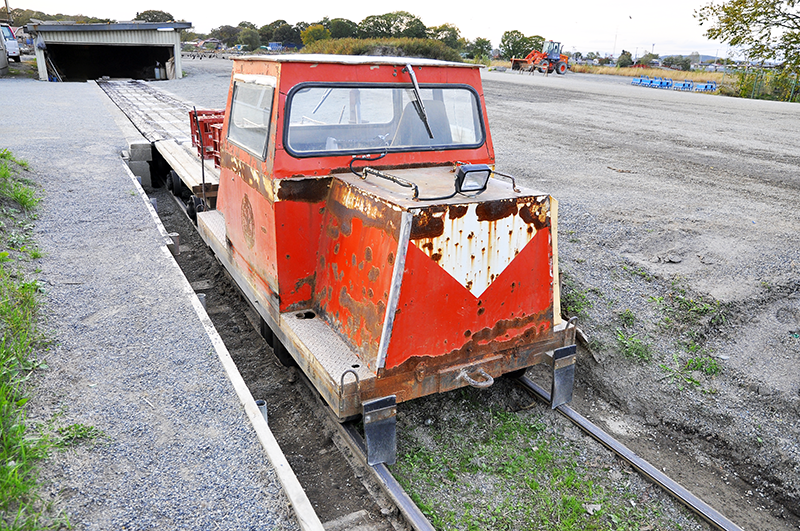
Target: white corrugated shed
column 155, row 34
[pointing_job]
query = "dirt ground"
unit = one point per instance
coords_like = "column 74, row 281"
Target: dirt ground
column 680, row 250
column 678, row 228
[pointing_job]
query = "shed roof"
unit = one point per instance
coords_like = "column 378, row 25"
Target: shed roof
column 119, row 26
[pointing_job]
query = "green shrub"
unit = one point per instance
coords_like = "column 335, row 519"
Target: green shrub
column 401, row 47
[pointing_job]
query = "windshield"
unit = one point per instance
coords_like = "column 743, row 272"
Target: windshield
column 552, row 48
column 7, row 33
column 251, row 110
column 370, row 119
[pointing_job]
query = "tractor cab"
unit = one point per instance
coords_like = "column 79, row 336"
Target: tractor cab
column 552, row 50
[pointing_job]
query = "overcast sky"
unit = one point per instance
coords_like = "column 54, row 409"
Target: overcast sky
column 581, row 25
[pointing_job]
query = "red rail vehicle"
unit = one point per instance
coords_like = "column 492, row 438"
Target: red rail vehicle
column 359, row 210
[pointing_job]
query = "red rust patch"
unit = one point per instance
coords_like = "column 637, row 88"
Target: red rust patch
column 457, row 211
column 426, row 225
column 494, row 210
column 373, row 274
column 535, row 214
column 304, row 190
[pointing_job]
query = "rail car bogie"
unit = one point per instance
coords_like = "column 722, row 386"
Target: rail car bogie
column 360, row 211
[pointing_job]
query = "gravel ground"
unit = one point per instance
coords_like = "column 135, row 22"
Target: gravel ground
column 665, row 198
column 129, row 355
column 678, row 208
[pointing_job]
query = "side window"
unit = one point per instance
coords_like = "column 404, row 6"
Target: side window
column 251, row 111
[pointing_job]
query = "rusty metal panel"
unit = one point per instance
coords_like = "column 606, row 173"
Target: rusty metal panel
column 357, row 252
column 475, row 242
column 503, row 300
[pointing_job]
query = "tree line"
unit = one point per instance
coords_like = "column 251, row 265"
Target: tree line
column 397, row 24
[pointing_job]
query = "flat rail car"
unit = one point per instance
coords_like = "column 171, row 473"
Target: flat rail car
column 359, row 210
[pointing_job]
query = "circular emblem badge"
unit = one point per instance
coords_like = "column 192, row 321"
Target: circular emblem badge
column 248, row 222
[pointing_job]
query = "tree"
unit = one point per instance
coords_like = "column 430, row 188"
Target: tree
column 153, row 15
column 646, row 58
column 625, row 60
column 341, row 28
column 683, row 63
column 448, row 34
column 227, row 34
column 514, row 44
column 767, row 30
column 313, row 33
column 479, row 48
column 395, row 24
column 249, row 37
column 286, row 34
column 266, row 31
column 249, row 25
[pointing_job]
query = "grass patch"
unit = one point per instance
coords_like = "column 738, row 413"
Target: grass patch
column 574, row 301
column 632, row 347
column 627, row 318
column 75, row 434
column 651, row 72
column 12, row 187
column 21, row 507
column 486, row 468
column 690, row 314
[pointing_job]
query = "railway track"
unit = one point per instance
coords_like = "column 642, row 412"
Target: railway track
column 390, row 507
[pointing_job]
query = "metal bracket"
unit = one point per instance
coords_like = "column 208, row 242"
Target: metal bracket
column 563, row 375
column 380, row 430
column 564, row 367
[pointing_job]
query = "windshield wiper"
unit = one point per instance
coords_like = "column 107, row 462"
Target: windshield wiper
column 417, row 101
column 322, row 100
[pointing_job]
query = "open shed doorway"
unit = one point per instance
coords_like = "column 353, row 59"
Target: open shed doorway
column 83, row 62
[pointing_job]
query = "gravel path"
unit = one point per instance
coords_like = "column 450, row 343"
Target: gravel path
column 129, row 356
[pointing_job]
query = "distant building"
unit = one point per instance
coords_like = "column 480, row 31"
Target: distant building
column 66, row 51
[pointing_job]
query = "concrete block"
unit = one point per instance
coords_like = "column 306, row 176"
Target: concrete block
column 141, row 151
column 141, row 169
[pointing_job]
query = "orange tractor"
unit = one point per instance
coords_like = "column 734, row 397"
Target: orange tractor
column 547, row 61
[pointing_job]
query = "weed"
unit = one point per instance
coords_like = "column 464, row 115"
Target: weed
column 627, row 318
column 574, row 301
column 77, row 433
column 35, row 253
column 639, row 272
column 704, row 364
column 679, row 375
column 632, row 347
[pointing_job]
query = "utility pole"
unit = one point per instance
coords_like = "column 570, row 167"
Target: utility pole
column 8, row 14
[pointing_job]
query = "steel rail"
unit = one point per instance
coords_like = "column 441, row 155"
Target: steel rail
column 412, row 514
column 380, row 473
column 695, row 504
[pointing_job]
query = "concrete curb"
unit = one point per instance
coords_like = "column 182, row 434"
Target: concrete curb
column 306, row 516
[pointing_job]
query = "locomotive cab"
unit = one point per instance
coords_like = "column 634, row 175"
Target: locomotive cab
column 359, row 210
